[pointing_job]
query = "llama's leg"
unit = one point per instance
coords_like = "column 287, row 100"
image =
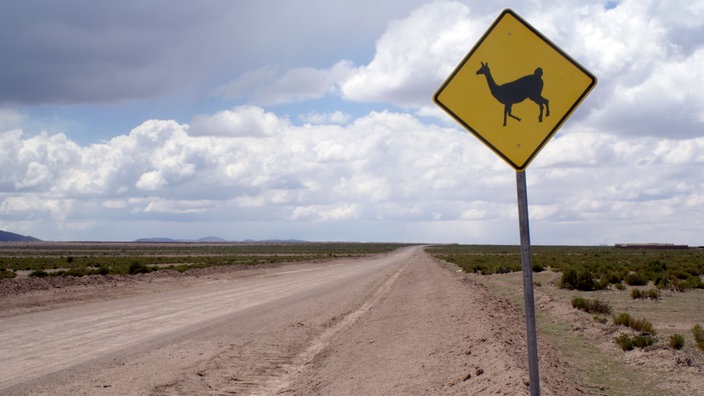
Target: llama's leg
column 507, row 112
column 547, row 108
column 508, row 107
column 542, row 101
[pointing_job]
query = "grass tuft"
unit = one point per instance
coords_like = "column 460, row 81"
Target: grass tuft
column 591, row 306
column 138, row 268
column 642, row 325
column 676, row 341
column 581, row 279
column 627, row 343
column 7, row 274
column 698, row 334
column 652, row 294
column 635, row 279
column 38, row 274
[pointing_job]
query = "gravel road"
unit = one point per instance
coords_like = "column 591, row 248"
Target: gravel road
column 397, row 323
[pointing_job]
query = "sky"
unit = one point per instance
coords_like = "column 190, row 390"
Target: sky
column 314, row 120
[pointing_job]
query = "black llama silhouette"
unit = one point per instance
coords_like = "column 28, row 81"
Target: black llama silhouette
column 527, row 87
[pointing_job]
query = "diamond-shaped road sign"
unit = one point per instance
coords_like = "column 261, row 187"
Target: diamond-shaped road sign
column 514, row 89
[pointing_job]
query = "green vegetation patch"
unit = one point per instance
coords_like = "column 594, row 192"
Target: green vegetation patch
column 594, row 306
column 627, row 342
column 586, row 268
column 641, row 325
column 580, row 279
column 676, row 341
column 7, row 274
column 79, row 259
column 481, row 259
column 698, row 334
column 652, row 294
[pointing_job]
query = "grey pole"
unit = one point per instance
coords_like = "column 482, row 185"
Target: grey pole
column 526, row 263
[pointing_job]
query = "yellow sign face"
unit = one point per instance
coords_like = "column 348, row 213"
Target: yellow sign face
column 514, row 89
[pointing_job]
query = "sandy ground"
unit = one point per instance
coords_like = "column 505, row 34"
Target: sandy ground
column 395, row 324
column 587, row 351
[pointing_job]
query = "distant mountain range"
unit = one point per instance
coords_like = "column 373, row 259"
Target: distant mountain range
column 12, row 237
column 216, row 239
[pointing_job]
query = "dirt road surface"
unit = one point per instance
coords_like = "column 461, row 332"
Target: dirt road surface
column 400, row 323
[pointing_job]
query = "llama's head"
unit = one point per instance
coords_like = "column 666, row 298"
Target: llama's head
column 484, row 69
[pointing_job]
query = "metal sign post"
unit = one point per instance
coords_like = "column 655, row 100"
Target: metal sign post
column 529, row 301
column 513, row 91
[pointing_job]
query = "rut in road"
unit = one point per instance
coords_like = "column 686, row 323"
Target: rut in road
column 291, row 370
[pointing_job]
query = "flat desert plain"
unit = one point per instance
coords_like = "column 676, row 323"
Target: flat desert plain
column 398, row 323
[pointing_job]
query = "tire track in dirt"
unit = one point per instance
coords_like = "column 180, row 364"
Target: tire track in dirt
column 265, row 362
column 293, row 369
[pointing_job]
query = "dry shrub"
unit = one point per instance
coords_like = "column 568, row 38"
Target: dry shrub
column 591, row 306
column 698, row 334
column 641, row 325
column 676, row 341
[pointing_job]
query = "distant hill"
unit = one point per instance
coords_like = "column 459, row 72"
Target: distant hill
column 156, row 240
column 282, row 241
column 211, row 239
column 160, row 239
column 12, row 237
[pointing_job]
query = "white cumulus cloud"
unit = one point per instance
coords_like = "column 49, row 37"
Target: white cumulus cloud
column 415, row 54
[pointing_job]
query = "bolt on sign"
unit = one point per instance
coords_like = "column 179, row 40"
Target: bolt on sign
column 514, row 89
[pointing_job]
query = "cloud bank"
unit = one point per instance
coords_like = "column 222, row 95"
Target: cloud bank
column 385, row 168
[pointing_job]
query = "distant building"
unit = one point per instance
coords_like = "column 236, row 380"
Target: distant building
column 650, row 246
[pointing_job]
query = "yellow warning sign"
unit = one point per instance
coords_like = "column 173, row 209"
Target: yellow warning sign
column 514, row 89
